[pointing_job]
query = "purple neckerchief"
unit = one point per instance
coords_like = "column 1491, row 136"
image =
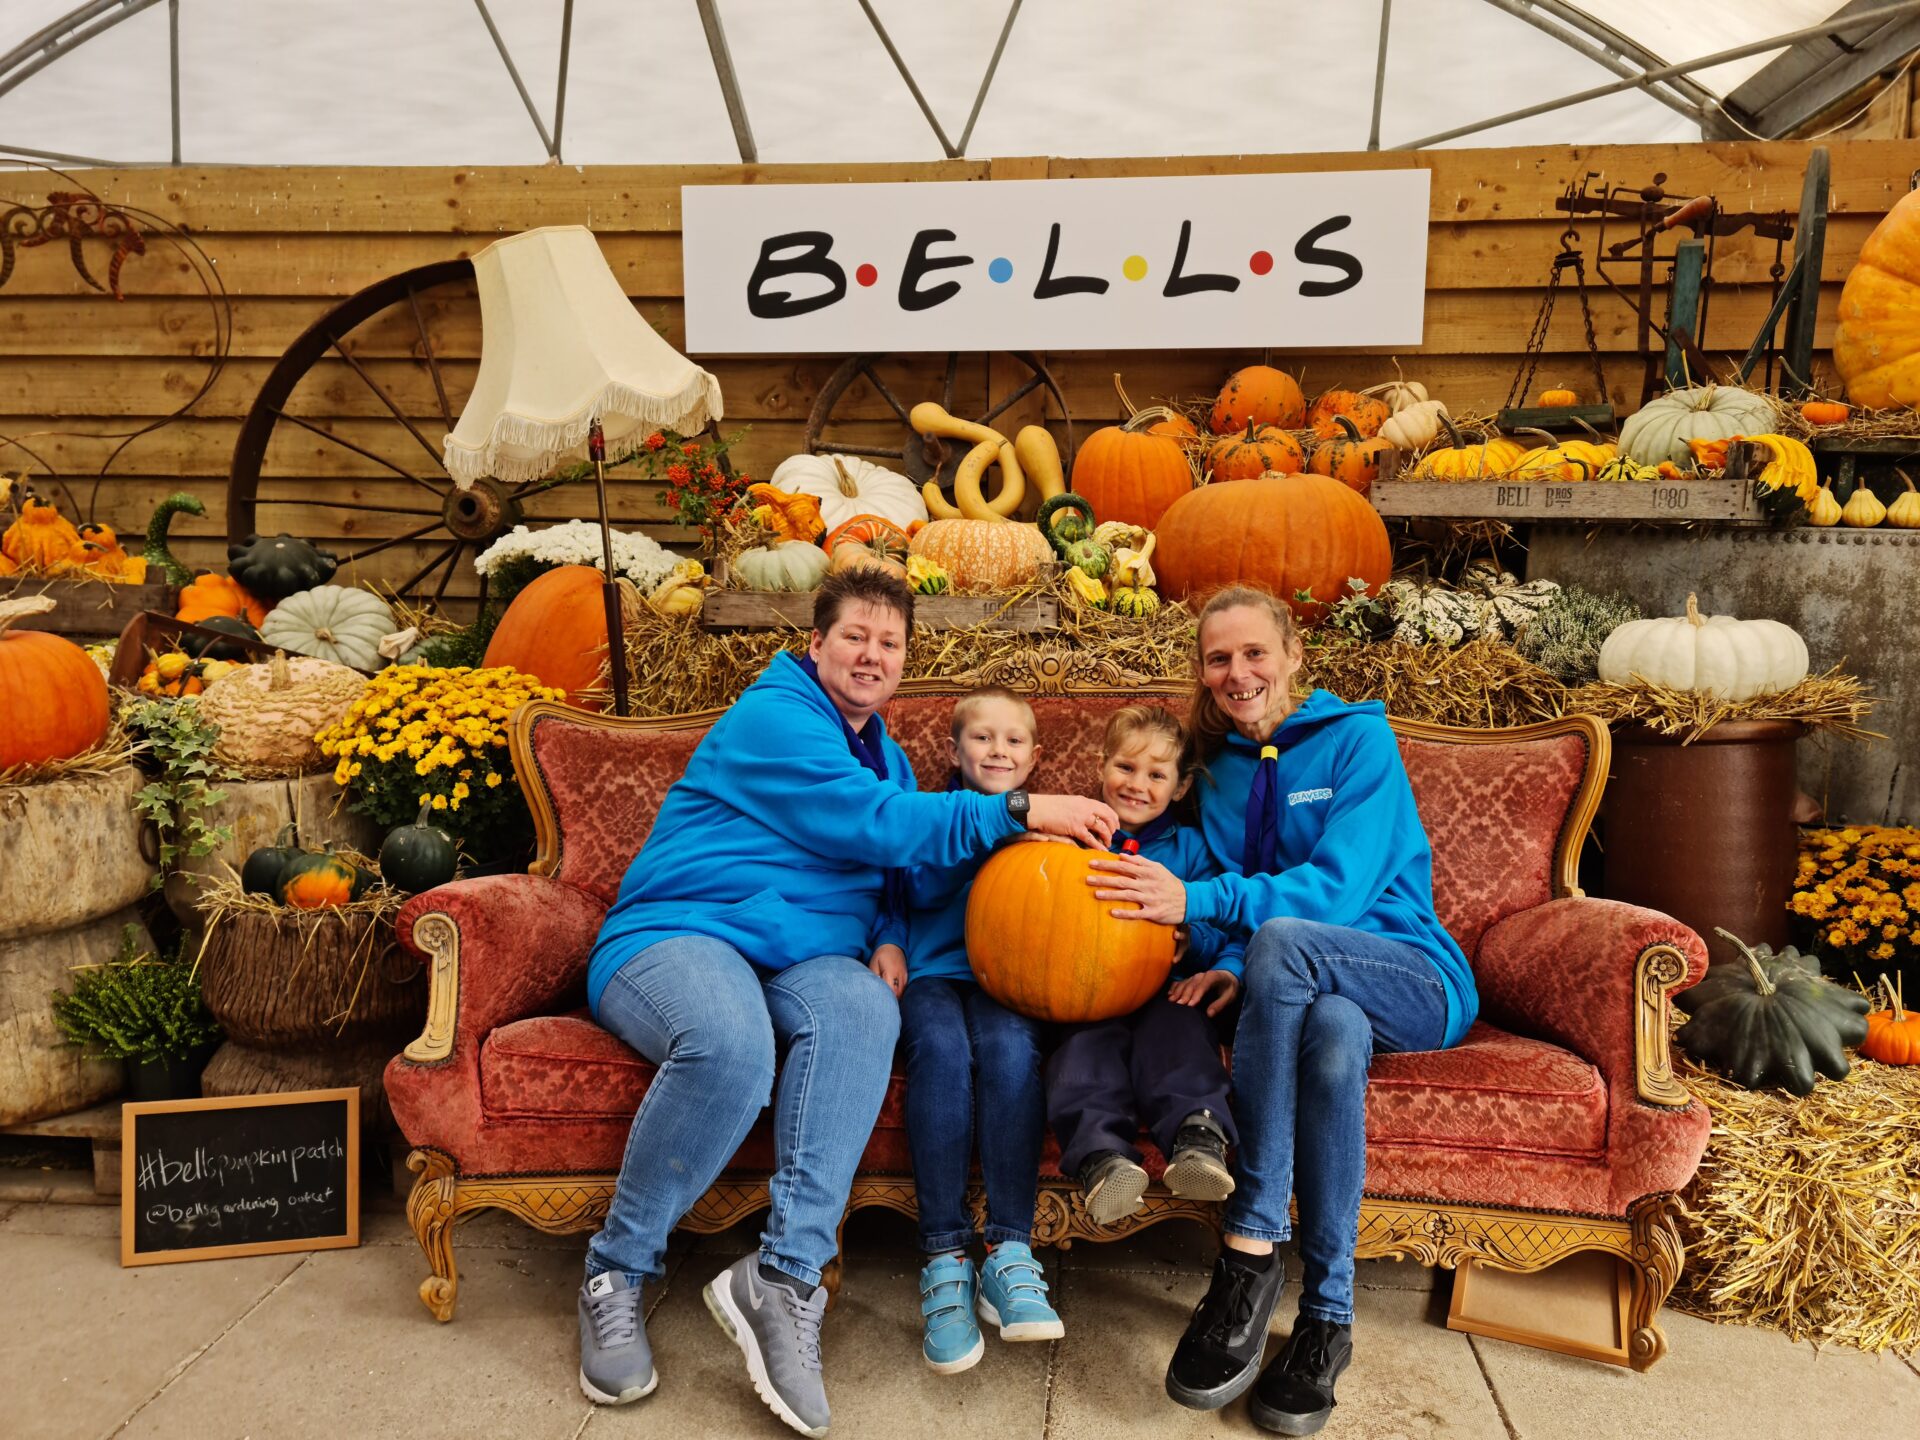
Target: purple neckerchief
column 868, row 746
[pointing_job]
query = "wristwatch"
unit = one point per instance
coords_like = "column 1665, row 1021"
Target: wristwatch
column 1017, row 806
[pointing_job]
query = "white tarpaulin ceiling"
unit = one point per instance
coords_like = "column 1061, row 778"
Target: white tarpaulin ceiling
column 424, row 82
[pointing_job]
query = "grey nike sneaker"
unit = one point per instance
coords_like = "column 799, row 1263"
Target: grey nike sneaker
column 778, row 1329
column 616, row 1365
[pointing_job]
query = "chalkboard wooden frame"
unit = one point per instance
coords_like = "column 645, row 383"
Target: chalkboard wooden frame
column 129, row 1158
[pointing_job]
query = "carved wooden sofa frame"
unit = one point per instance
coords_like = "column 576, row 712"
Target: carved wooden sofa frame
column 1433, row 1233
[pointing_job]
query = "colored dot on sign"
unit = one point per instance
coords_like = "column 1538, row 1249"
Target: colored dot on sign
column 1261, row 262
column 866, row 274
column 1135, row 267
column 1000, row 271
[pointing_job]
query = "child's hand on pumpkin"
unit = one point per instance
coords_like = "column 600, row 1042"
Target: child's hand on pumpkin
column 1203, row 990
column 889, row 962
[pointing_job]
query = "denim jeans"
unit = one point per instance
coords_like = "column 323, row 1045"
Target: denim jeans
column 713, row 1024
column 1320, row 1000
column 970, row 1058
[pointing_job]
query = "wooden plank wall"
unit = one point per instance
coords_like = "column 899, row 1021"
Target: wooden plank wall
column 78, row 370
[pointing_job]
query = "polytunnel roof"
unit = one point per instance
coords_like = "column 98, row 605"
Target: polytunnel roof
column 470, row 82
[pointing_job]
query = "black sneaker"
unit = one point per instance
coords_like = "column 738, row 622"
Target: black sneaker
column 1295, row 1393
column 1112, row 1185
column 1197, row 1168
column 1219, row 1356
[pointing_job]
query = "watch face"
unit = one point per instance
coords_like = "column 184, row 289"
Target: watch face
column 1017, row 804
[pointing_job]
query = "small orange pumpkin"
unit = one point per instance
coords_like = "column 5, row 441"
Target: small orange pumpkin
column 1352, row 459
column 1893, row 1034
column 850, row 555
column 1824, row 412
column 1366, row 413
column 1259, row 450
column 40, row 538
column 1259, row 393
column 1711, row 454
column 1552, row 399
column 1041, row 944
column 211, row 595
column 869, row 530
column 313, row 882
column 788, row 514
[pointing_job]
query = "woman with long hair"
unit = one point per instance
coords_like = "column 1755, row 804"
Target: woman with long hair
column 1309, row 813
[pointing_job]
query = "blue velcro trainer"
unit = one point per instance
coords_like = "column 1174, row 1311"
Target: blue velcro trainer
column 1013, row 1295
column 952, row 1341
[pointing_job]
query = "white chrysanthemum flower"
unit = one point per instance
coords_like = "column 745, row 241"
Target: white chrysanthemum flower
column 577, row 542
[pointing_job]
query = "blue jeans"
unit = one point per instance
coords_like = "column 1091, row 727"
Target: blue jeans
column 713, row 1024
column 967, row 1057
column 1320, row 1000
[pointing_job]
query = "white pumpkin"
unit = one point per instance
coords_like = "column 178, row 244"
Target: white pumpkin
column 1710, row 654
column 784, row 565
column 1398, row 395
column 332, row 622
column 1415, row 426
column 1661, row 428
column 846, row 486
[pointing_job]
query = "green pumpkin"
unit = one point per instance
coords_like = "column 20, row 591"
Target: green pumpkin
column 313, row 880
column 274, row 568
column 266, row 867
column 419, row 856
column 1771, row 1019
column 156, row 552
column 202, row 647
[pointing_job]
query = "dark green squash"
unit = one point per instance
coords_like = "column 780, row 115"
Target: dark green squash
column 266, row 867
column 1771, row 1020
column 158, row 555
column 274, row 568
column 419, row 856
column 202, row 647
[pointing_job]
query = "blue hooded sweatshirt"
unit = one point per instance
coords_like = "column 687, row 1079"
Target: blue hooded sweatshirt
column 1352, row 850
column 937, row 917
column 777, row 839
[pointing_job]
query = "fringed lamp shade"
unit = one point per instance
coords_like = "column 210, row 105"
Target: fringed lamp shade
column 561, row 348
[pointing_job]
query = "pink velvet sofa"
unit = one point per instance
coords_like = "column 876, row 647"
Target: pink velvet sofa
column 1556, row 1127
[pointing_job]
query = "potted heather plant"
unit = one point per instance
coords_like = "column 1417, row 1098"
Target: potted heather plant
column 145, row 1010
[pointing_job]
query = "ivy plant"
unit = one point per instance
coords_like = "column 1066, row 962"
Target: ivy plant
column 181, row 742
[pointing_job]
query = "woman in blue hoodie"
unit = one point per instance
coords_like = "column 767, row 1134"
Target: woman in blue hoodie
column 1325, row 864
column 761, row 918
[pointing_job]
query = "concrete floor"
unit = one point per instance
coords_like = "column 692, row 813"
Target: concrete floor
column 335, row 1344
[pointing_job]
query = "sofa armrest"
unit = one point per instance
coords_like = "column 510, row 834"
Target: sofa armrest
column 1596, row 976
column 498, row 948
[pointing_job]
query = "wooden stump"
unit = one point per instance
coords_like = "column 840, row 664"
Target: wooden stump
column 246, row 1070
column 40, row 1075
column 72, row 853
column 257, row 809
column 311, row 979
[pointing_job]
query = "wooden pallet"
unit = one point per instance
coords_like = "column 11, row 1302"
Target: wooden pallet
column 99, row 1124
column 88, row 608
column 1681, row 502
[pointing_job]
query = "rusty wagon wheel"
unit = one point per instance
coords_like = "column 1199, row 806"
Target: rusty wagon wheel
column 929, row 457
column 407, row 478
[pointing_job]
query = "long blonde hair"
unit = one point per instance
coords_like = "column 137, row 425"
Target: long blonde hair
column 1205, row 722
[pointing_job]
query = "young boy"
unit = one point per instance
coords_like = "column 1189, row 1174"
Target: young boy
column 966, row 1055
column 1160, row 1066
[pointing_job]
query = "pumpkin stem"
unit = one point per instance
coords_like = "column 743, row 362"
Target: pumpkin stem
column 1905, row 478
column 1694, row 617
column 1353, row 430
column 426, row 809
column 1455, row 440
column 849, row 487
column 1761, row 984
column 279, row 677
column 12, row 610
column 1121, row 390
column 1248, row 437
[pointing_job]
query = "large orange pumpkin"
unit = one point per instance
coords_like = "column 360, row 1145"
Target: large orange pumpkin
column 53, row 696
column 984, row 554
column 1262, row 394
column 1131, row 475
column 1258, row 450
column 211, row 595
column 1366, row 413
column 1284, row 534
column 1041, row 944
column 1876, row 347
column 556, row 630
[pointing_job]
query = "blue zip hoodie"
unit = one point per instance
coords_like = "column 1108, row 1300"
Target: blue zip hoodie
column 777, row 839
column 1352, row 849
column 937, row 920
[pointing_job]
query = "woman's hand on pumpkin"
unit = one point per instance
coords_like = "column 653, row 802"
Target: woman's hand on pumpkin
column 889, row 962
column 1073, row 817
column 1151, row 890
column 1203, row 990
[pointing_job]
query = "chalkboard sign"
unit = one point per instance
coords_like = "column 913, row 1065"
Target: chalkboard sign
column 239, row 1175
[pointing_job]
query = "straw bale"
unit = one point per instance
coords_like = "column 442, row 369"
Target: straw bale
column 1834, row 703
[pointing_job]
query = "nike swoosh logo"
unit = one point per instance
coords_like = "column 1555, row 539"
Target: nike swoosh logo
column 753, row 1294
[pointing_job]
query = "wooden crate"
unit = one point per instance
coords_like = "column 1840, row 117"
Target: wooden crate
column 88, row 608
column 793, row 610
column 1681, row 502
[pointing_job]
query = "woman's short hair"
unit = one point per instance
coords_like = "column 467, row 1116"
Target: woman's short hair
column 1205, row 721
column 862, row 585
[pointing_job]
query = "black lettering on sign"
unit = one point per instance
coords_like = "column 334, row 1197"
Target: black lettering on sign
column 920, row 263
column 1051, row 285
column 1557, row 499
column 1670, row 497
column 1181, row 284
column 1309, row 252
column 767, row 301
column 244, row 1174
column 1510, row 495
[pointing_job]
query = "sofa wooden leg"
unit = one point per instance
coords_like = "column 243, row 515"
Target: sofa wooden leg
column 832, row 1274
column 430, row 1211
column 1658, row 1253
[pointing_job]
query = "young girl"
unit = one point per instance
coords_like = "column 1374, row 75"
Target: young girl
column 973, row 1067
column 1160, row 1066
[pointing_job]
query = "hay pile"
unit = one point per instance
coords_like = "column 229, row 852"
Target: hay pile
column 1805, row 1213
column 1485, row 682
column 1898, row 423
column 1833, row 703
column 112, row 753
